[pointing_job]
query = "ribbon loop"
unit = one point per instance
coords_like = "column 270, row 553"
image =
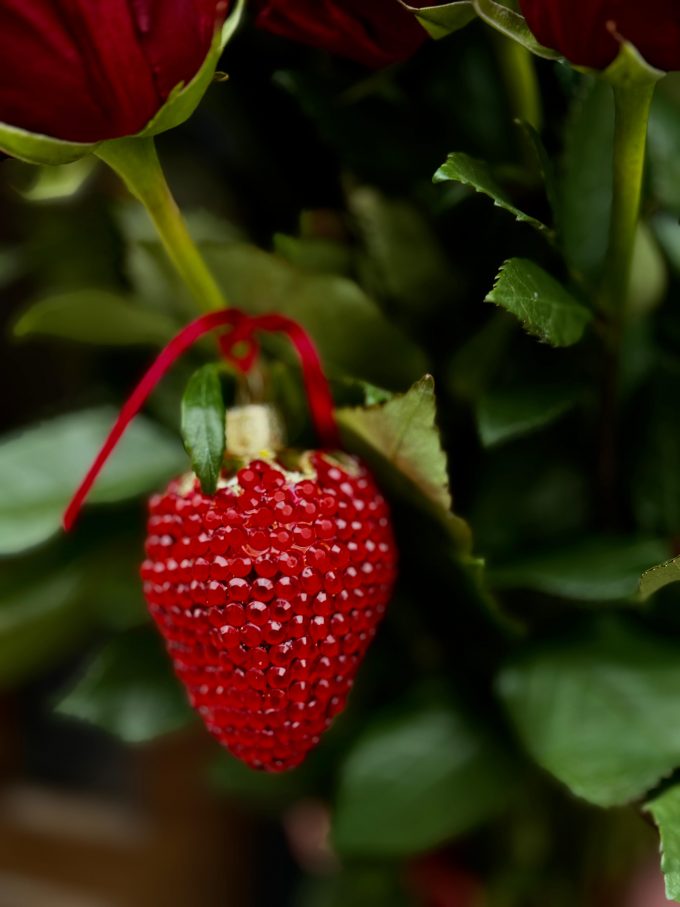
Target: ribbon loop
column 243, row 329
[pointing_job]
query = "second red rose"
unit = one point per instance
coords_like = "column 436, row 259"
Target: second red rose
column 588, row 32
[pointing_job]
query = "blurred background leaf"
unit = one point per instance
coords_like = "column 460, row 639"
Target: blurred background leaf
column 591, row 570
column 129, row 690
column 43, row 465
column 95, row 316
column 598, row 712
column 416, row 780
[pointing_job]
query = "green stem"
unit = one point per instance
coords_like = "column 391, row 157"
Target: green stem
column 633, row 101
column 136, row 161
column 519, row 76
column 633, row 93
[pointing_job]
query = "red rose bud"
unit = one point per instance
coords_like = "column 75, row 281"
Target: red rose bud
column 91, row 70
column 589, row 32
column 375, row 33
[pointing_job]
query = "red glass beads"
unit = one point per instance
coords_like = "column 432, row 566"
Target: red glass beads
column 268, row 595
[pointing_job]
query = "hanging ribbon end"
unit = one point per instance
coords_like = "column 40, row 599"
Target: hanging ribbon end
column 71, row 513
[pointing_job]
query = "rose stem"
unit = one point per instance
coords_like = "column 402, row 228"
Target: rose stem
column 136, row 161
column 517, row 68
column 632, row 102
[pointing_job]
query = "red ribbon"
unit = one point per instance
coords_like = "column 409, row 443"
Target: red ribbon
column 243, row 330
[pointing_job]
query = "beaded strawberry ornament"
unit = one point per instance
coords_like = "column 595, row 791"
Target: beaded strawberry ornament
column 269, row 589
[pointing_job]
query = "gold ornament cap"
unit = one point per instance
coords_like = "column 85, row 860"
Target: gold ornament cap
column 253, row 431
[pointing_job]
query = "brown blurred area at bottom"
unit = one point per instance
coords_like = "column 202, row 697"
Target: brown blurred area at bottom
column 171, row 844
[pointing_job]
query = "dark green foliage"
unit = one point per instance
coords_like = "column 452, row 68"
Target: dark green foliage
column 519, row 667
